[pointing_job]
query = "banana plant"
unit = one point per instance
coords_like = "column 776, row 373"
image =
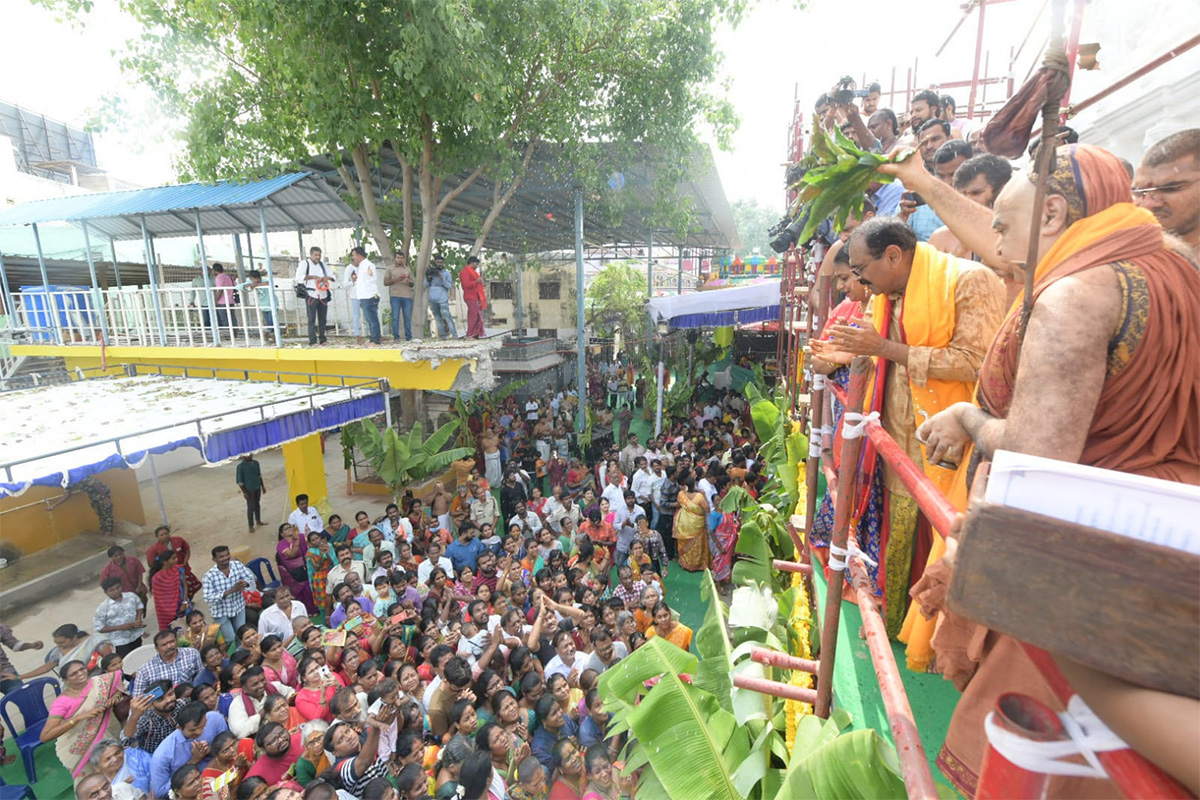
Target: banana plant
column 402, row 459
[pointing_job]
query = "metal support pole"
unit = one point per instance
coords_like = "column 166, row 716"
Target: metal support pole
column 249, row 265
column 209, row 300
column 162, row 507
column 97, row 297
column 112, row 246
column 237, row 253
column 649, row 264
column 978, row 52
column 9, row 306
column 262, row 220
column 300, row 240
column 51, row 307
column 679, row 278
column 851, row 448
column 519, row 303
column 150, row 269
column 581, row 344
column 659, row 403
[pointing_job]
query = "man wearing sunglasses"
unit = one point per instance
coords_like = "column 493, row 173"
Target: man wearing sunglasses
column 1167, row 184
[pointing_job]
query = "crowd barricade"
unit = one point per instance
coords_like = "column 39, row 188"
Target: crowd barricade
column 1000, row 776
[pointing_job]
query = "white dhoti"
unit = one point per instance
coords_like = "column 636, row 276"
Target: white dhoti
column 447, row 524
column 491, row 469
column 543, row 448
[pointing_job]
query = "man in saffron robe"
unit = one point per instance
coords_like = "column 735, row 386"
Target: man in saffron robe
column 932, row 316
column 1109, row 377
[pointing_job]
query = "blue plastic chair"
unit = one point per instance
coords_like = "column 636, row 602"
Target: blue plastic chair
column 257, row 565
column 16, row 791
column 30, row 700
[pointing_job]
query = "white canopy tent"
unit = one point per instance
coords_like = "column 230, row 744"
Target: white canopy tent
column 756, row 302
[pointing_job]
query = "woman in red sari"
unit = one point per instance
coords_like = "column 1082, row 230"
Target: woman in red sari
column 167, row 586
column 165, row 541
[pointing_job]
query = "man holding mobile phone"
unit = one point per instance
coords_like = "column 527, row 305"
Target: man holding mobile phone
column 223, row 588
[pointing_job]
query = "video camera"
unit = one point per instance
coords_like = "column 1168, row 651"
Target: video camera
column 844, row 95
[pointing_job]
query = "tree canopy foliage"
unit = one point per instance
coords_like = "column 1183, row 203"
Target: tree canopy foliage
column 617, row 299
column 753, row 220
column 446, row 87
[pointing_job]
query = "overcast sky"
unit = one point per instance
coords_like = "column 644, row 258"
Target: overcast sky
column 64, row 71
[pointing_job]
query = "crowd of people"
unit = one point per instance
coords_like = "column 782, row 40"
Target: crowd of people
column 930, row 283
column 449, row 647
column 365, row 284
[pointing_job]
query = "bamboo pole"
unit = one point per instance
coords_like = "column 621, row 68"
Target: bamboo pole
column 776, row 689
column 791, row 566
column 773, row 658
column 914, row 766
column 851, row 448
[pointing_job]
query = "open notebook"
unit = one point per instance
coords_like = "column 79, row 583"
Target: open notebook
column 1156, row 511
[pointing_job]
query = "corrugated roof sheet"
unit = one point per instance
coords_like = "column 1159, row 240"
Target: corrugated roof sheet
column 294, row 201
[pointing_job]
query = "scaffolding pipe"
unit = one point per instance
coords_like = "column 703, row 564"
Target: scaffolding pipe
column 792, row 566
column 774, row 658
column 51, row 306
column 9, row 306
column 785, row 691
column 649, row 264
column 112, row 246
column 1133, row 76
column 158, row 312
column 97, row 297
column 262, row 220
column 914, row 765
column 208, row 293
column 860, row 368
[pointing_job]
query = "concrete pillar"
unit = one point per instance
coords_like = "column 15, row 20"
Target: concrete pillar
column 304, row 464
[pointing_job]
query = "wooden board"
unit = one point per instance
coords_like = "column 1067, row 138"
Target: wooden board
column 1120, row 605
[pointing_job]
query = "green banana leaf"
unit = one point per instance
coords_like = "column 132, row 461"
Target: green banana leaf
column 712, row 644
column 754, row 566
column 697, row 745
column 625, row 680
column 859, row 765
column 440, row 437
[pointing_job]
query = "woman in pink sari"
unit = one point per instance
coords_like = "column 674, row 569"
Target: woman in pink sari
column 82, row 714
column 291, row 554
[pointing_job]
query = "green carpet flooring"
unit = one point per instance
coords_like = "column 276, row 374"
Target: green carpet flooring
column 54, row 781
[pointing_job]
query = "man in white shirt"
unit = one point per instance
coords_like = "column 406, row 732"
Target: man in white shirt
column 528, row 520
column 346, row 564
column 706, row 486
column 613, row 493
column 630, row 453
column 304, row 518
column 433, row 558
column 531, row 411
column 564, row 662
column 349, row 275
column 642, row 483
column 712, row 411
column 366, row 291
column 315, row 276
column 277, row 618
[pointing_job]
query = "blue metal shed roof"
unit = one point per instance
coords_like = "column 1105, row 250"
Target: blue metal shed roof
column 298, row 200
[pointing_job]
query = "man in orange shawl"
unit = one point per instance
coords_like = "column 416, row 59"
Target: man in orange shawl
column 932, row 318
column 1109, row 377
column 474, row 297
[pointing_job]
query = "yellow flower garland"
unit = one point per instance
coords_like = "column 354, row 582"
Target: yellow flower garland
column 800, row 620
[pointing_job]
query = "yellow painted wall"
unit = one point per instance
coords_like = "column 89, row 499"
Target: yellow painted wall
column 264, row 363
column 305, row 466
column 25, row 522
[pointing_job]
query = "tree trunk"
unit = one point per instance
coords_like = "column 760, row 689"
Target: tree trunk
column 499, row 200
column 370, row 205
column 406, row 184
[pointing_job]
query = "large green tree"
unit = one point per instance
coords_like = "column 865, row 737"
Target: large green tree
column 615, row 299
column 753, row 220
column 450, row 87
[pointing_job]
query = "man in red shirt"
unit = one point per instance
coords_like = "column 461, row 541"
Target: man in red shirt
column 472, row 288
column 129, row 570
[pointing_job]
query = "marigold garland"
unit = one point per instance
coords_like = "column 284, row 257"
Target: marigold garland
column 800, row 620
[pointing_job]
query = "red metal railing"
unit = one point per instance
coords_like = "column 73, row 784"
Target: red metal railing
column 1137, row 777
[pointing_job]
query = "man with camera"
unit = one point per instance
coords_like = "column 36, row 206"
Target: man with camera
column 312, row 284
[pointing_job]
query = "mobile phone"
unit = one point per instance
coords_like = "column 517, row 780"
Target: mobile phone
column 157, row 692
column 914, row 197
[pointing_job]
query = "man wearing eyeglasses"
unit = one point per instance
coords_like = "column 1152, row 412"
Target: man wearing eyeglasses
column 1167, row 184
